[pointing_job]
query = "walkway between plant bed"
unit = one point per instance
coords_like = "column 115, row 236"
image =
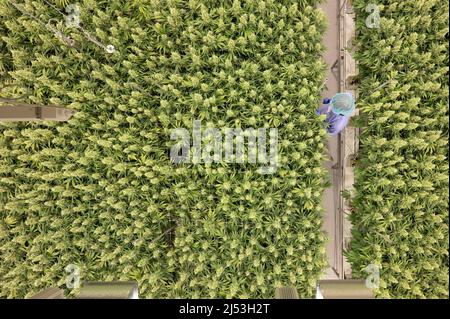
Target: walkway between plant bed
column 330, row 203
column 343, row 147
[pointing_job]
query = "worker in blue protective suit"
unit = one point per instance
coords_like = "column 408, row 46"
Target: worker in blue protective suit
column 338, row 111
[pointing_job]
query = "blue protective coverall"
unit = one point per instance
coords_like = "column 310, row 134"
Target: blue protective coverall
column 335, row 123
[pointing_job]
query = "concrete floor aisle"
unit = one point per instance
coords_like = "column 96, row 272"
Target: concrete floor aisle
column 331, row 195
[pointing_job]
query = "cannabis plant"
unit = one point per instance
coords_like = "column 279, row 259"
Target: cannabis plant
column 400, row 218
column 100, row 192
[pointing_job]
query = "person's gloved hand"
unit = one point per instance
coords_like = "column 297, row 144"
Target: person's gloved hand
column 324, row 108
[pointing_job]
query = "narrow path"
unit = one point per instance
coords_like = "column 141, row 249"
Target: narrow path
column 339, row 67
column 343, row 147
column 330, row 202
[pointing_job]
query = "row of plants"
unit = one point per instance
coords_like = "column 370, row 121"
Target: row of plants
column 100, row 191
column 400, row 217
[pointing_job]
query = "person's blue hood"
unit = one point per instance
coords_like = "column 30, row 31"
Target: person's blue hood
column 343, row 104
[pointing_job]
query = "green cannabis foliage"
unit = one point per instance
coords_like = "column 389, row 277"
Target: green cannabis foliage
column 100, row 192
column 401, row 205
column 61, row 3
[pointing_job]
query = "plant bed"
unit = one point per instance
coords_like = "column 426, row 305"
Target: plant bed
column 97, row 192
column 400, row 220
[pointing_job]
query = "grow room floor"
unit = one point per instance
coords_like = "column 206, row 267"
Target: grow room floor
column 332, row 223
